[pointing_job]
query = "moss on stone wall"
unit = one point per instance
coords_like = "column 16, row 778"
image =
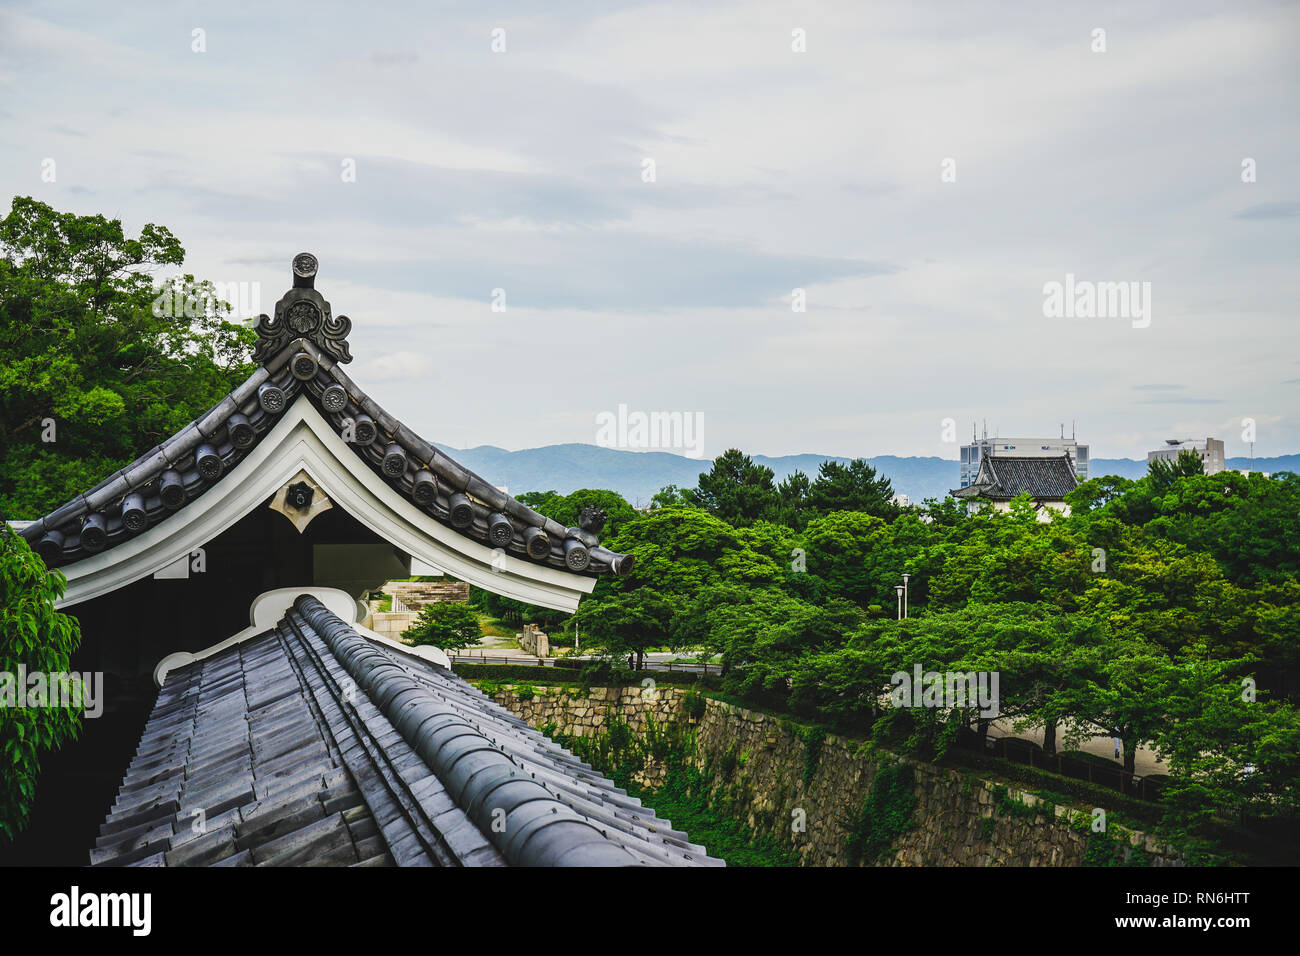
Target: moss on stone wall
column 740, row 778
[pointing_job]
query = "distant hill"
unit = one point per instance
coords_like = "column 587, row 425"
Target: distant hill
column 637, row 475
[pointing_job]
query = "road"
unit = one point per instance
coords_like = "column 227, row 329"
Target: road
column 659, row 660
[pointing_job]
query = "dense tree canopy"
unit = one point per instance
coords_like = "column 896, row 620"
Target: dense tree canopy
column 94, row 374
column 1142, row 615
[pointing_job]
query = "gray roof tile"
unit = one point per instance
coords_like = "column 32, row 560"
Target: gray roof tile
column 1005, row 477
column 284, row 769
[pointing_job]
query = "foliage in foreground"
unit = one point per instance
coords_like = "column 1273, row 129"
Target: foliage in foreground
column 85, row 352
column 41, row 640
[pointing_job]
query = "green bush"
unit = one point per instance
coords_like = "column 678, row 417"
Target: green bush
column 728, row 762
column 887, row 813
column 813, row 738
column 1107, row 850
column 539, row 674
column 694, row 703
column 1009, row 806
column 41, row 639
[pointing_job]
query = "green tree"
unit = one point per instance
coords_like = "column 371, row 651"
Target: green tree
column 795, row 508
column 669, row 496
column 41, row 640
column 851, row 487
column 736, row 490
column 450, row 625
column 1095, row 493
column 566, row 509
column 1249, row 523
column 692, row 624
column 1123, row 692
column 764, row 636
column 84, row 349
column 1164, row 473
column 680, row 550
column 852, row 552
column 627, row 624
column 1229, row 752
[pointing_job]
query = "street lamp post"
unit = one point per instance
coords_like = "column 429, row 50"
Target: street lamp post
column 898, row 589
column 905, row 577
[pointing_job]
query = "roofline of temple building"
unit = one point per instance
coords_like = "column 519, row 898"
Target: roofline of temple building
column 133, row 502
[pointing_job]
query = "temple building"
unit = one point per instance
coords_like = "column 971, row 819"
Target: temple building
column 1003, row 477
column 218, row 576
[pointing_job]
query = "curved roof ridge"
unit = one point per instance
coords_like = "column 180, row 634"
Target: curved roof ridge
column 523, row 819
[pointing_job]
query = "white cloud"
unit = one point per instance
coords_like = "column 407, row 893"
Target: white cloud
column 775, row 169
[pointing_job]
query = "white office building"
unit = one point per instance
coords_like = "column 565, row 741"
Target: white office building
column 1209, row 450
column 1021, row 448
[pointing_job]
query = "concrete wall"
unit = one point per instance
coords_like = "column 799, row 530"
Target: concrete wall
column 534, row 641
column 391, row 624
column 767, row 786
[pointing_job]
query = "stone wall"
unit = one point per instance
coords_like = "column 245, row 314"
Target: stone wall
column 961, row 819
column 416, row 594
column 577, row 713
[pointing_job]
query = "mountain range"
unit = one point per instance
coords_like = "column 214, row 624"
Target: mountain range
column 637, row 475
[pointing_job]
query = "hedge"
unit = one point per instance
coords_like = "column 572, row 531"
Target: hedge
column 1081, row 790
column 535, row 674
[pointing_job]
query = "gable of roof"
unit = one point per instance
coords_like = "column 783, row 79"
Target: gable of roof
column 310, row 744
column 1005, row 477
column 301, row 351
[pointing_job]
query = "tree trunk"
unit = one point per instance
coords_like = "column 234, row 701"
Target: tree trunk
column 1049, row 738
column 1130, row 755
column 983, row 730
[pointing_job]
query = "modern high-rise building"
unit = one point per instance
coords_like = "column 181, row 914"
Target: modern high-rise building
column 1209, row 450
column 1021, row 448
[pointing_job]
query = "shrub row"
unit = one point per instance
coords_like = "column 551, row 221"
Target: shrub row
column 1088, row 793
column 597, row 676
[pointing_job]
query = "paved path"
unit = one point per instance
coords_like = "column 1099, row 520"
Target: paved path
column 1145, row 763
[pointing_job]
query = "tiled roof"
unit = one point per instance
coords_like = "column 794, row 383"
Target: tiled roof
column 311, row 745
column 161, row 482
column 1005, row 477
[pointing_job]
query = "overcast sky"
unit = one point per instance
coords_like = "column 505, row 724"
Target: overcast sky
column 774, row 170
